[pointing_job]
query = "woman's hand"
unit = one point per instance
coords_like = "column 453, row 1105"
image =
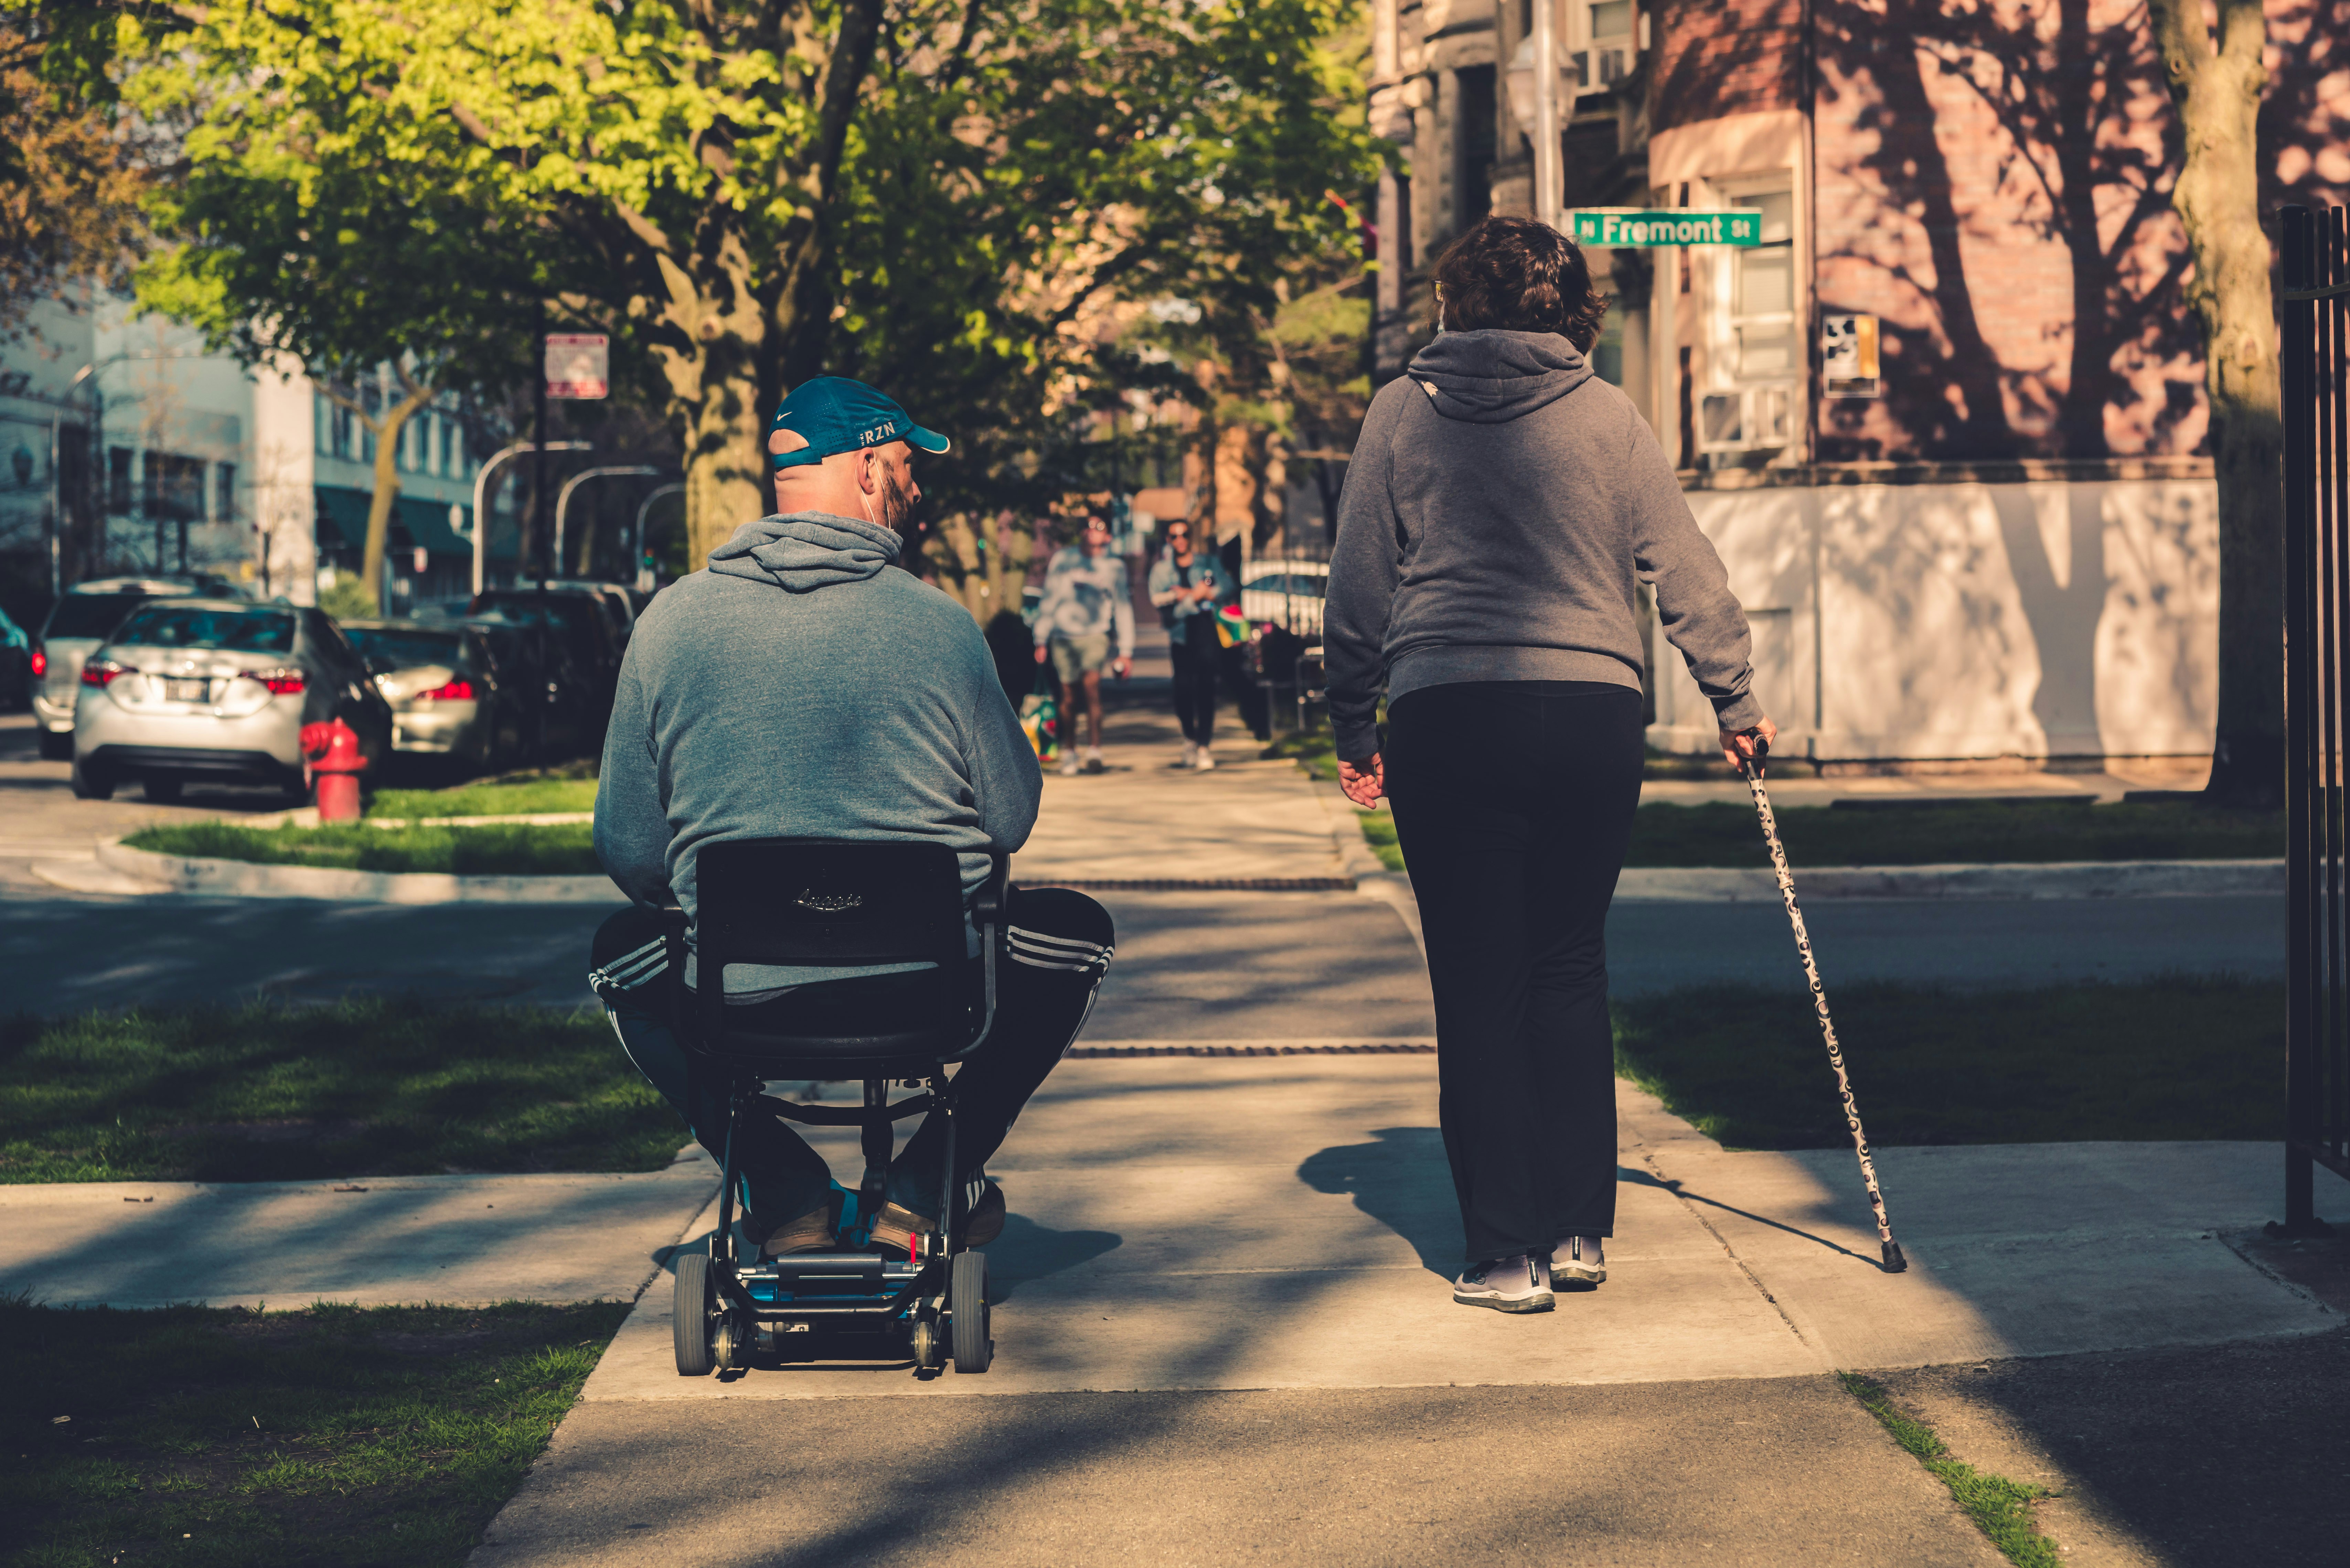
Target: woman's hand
column 1738, row 745
column 1364, row 781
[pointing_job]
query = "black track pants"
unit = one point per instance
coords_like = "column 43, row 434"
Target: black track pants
column 1513, row 804
column 1195, row 684
column 1060, row 947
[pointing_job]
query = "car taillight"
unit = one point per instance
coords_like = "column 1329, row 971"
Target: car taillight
column 455, row 691
column 98, row 672
column 40, row 663
column 281, row 683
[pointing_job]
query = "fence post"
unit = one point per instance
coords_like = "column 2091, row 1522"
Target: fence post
column 2306, row 774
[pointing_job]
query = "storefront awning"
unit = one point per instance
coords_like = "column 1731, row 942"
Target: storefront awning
column 342, row 524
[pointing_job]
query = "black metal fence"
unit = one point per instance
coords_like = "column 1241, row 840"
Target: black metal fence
column 2316, row 352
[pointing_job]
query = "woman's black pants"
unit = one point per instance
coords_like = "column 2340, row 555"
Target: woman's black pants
column 1513, row 804
column 1195, row 682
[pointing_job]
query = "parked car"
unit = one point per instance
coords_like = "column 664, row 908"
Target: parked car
column 617, row 602
column 562, row 713
column 190, row 688
column 451, row 695
column 80, row 620
column 1286, row 594
column 579, row 621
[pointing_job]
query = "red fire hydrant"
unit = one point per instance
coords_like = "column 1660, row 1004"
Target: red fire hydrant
column 330, row 756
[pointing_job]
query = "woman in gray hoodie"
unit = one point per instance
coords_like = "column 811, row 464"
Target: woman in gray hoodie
column 1501, row 504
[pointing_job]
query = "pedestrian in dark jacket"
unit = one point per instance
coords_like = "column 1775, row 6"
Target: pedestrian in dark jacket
column 1501, row 504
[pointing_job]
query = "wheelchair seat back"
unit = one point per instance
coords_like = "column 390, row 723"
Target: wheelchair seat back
column 836, row 903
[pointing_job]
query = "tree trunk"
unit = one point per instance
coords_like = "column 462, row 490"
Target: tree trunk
column 386, row 429
column 2217, row 91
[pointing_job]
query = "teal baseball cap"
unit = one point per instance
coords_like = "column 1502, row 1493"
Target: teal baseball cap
column 833, row 414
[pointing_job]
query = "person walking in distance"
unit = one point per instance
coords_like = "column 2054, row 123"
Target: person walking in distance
column 1188, row 589
column 1501, row 504
column 1087, row 600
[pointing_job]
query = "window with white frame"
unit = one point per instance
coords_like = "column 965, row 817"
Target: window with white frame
column 1607, row 33
column 1754, row 357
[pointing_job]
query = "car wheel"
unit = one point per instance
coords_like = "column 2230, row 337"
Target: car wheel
column 88, row 784
column 56, row 745
column 162, row 788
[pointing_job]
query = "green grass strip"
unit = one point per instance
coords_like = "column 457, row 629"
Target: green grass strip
column 370, row 1086
column 2171, row 1058
column 2002, row 1509
column 1725, row 833
column 386, row 1436
column 526, row 797
column 510, row 849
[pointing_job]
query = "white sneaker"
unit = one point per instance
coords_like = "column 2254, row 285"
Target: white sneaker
column 1579, row 1261
column 1068, row 768
column 1191, row 756
column 1094, row 764
column 1204, row 760
column 1520, row 1282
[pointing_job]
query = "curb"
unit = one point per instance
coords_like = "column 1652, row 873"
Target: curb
column 249, row 879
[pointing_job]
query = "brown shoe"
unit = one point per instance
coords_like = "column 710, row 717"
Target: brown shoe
column 895, row 1228
column 811, row 1232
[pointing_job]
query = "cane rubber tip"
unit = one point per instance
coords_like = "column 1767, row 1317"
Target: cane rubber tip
column 1894, row 1262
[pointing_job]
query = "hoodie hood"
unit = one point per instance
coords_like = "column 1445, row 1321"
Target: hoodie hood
column 800, row 552
column 1493, row 378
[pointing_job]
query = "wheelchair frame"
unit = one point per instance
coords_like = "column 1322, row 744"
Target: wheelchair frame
column 728, row 1305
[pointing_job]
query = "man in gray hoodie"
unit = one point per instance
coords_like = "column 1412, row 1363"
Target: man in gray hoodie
column 801, row 687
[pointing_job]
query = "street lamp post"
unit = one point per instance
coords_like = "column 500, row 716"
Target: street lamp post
column 480, row 490
column 563, row 497
column 1547, row 189
column 637, row 552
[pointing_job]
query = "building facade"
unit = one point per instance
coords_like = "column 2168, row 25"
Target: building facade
column 131, row 449
column 1946, row 421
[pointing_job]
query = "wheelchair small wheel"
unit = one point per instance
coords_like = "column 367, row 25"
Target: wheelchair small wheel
column 967, row 1303
column 694, row 1302
column 925, row 1338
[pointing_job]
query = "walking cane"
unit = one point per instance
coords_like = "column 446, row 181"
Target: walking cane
column 1894, row 1262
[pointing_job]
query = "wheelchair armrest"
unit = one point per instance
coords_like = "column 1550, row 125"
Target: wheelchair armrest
column 987, row 908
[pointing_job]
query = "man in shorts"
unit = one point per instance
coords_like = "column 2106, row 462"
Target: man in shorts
column 1086, row 602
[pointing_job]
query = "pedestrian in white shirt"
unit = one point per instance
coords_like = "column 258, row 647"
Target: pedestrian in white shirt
column 1088, row 602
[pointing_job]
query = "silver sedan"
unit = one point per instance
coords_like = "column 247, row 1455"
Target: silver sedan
column 218, row 689
column 449, row 696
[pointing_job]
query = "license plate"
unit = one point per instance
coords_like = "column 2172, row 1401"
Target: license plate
column 186, row 691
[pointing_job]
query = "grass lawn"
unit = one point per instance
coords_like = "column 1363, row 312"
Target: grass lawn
column 369, row 1086
column 519, row 795
column 2174, row 1058
column 507, row 849
column 239, row 1439
column 1723, row 834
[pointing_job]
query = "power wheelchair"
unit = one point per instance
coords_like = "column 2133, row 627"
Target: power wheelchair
column 810, row 901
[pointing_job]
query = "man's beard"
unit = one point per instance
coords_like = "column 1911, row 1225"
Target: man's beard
column 895, row 508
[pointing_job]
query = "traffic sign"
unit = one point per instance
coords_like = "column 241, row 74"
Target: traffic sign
column 578, row 365
column 1638, row 228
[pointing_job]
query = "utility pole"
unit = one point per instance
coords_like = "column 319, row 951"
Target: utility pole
column 539, row 444
column 1548, row 188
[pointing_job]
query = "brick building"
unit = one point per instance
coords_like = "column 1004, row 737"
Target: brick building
column 1946, row 422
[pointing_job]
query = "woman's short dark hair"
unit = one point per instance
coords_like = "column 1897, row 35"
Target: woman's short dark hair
column 1515, row 275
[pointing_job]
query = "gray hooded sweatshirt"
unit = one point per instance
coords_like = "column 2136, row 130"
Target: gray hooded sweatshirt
column 1501, row 504
column 801, row 689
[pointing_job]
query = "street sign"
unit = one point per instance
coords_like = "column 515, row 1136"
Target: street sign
column 1638, row 228
column 578, row 365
